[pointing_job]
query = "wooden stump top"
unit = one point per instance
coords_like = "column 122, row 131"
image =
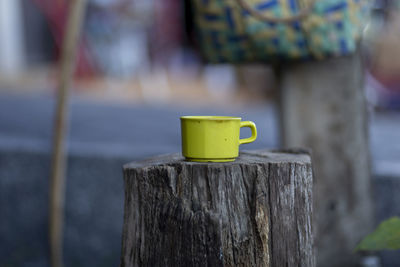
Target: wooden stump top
column 297, row 156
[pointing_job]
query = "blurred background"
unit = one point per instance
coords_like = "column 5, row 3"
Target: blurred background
column 138, row 70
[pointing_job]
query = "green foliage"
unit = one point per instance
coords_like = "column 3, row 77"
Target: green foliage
column 386, row 236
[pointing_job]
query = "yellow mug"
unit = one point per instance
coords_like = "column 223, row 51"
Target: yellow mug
column 213, row 138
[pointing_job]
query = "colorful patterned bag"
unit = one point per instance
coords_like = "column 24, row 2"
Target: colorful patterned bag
column 237, row 31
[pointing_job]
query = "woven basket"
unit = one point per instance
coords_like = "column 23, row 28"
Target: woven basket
column 237, row 31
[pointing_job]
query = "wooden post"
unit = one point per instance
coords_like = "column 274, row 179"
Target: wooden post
column 57, row 178
column 323, row 107
column 255, row 211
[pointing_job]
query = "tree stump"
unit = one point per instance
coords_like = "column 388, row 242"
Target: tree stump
column 255, row 211
column 323, row 107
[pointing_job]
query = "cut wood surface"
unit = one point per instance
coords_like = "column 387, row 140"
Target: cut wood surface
column 255, row 211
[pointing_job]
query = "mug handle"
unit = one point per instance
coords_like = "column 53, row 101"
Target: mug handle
column 253, row 128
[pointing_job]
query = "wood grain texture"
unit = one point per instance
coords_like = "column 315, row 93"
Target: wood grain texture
column 255, row 211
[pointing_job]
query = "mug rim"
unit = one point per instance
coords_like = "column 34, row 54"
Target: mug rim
column 210, row 118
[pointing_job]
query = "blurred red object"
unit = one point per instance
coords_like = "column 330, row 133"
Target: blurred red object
column 55, row 13
column 167, row 32
column 385, row 61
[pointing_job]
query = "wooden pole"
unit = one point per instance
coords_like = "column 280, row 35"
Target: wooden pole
column 255, row 211
column 57, row 179
column 323, row 107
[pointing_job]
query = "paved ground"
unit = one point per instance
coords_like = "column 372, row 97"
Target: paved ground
column 101, row 139
column 135, row 131
column 385, row 143
column 140, row 131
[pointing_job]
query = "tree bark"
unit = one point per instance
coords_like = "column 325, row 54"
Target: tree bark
column 323, row 107
column 255, row 211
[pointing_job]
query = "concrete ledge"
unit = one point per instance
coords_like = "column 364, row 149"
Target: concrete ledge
column 88, row 230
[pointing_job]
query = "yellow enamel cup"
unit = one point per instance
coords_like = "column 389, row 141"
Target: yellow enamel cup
column 213, row 138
